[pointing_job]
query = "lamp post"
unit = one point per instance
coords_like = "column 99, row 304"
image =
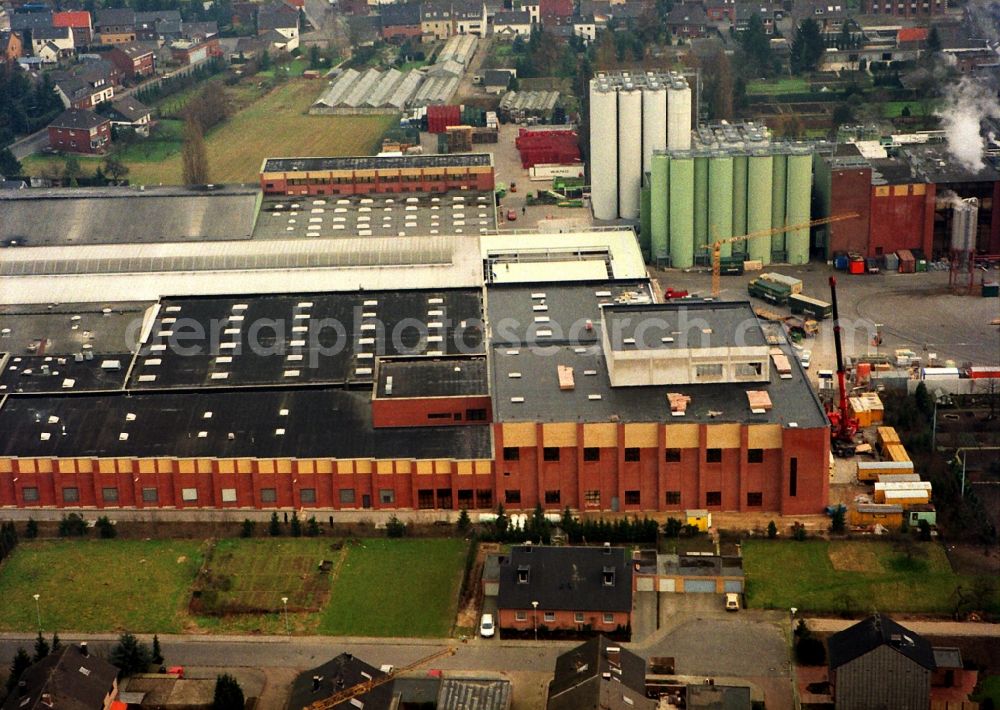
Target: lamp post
column 284, row 601
column 534, row 618
column 38, row 611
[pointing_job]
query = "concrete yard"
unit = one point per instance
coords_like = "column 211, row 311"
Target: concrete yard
column 916, row 311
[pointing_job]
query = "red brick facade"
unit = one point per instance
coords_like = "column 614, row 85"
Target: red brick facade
column 902, row 217
column 132, row 66
column 430, row 411
column 374, row 182
column 526, row 619
column 80, row 140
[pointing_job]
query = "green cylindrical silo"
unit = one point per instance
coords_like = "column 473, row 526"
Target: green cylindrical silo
column 644, row 240
column 681, row 212
column 659, row 207
column 759, row 205
column 700, row 204
column 720, row 200
column 778, row 179
column 739, row 200
column 797, row 208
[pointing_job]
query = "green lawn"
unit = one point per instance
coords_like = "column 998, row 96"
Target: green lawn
column 99, row 585
column 894, row 109
column 396, row 588
column 778, row 86
column 821, row 576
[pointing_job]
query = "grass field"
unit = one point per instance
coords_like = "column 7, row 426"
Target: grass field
column 377, row 587
column 989, row 687
column 275, row 125
column 778, row 86
column 98, row 585
column 821, row 576
column 396, row 588
column 894, row 109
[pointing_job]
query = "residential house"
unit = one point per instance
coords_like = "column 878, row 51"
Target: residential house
column 687, row 21
column 131, row 113
column 49, row 53
column 343, row 671
column 440, row 19
column 244, row 14
column 60, row 37
column 585, row 27
column 248, row 48
column 768, row 13
column 879, row 663
column 133, row 60
column 400, row 21
column 186, row 51
column 147, row 23
column 199, row 30
column 511, row 24
column 281, row 18
column 905, row 8
column 565, row 588
column 68, row 678
column 11, row 48
column 115, row 25
column 555, row 11
column 29, row 21
column 532, row 7
column 77, row 93
column 78, row 21
column 830, row 15
column 720, row 10
column 599, row 675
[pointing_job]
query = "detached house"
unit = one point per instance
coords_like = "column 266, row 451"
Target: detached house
column 687, row 21
column 131, row 113
column 565, row 588
column 599, row 675
column 68, row 678
column 115, row 26
column 59, row 37
column 511, row 24
column 281, row 19
column 79, row 22
column 80, row 131
column 133, row 60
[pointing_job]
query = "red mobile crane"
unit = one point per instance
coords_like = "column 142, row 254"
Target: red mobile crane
column 843, row 426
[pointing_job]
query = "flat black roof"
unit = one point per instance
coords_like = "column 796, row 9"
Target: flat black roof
column 276, row 423
column 374, row 162
column 556, row 313
column 432, row 377
column 293, row 339
column 526, row 389
column 683, row 324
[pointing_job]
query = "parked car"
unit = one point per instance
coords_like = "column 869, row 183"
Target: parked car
column 804, row 357
column 511, row 215
column 486, row 627
column 732, row 601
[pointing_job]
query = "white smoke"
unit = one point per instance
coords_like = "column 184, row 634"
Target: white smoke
column 966, row 104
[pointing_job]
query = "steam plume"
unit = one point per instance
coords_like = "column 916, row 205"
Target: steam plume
column 966, row 104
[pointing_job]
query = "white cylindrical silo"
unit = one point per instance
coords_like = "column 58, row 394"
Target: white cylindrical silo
column 603, row 150
column 679, row 116
column 654, row 122
column 629, row 151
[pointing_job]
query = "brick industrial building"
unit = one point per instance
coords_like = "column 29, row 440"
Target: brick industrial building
column 377, row 175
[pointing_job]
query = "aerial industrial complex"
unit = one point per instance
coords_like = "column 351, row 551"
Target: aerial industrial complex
column 501, row 370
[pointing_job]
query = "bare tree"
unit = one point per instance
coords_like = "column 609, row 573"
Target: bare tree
column 194, row 157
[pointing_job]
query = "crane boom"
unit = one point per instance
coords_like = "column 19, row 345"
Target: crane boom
column 716, row 246
column 843, row 426
column 346, row 694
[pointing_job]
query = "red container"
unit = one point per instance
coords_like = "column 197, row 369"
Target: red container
column 439, row 117
column 856, row 267
column 544, row 146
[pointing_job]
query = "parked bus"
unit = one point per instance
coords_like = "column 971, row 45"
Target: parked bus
column 806, row 305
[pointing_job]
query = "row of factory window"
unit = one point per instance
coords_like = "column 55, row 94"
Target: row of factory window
column 369, row 180
column 632, row 454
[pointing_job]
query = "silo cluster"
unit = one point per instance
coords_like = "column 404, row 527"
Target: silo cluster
column 732, row 180
column 633, row 115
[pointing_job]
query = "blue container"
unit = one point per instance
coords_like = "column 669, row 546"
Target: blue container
column 840, row 262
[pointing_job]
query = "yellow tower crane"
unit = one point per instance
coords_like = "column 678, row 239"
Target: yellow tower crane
column 354, row 691
column 716, row 247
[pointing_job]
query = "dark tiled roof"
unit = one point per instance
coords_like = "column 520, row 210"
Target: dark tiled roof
column 277, row 15
column 74, row 682
column 339, row 673
column 867, row 635
column 134, row 49
column 78, row 119
column 20, row 21
column 40, row 33
column 130, row 108
column 580, row 682
column 687, row 15
column 512, row 18
column 566, row 579
column 115, row 16
column 400, row 15
column 497, row 77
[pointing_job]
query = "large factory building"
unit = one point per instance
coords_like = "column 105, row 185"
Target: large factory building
column 262, row 373
column 733, row 180
column 907, row 197
column 632, row 115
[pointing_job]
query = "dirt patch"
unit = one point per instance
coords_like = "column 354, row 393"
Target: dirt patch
column 468, row 611
column 854, row 558
column 974, row 559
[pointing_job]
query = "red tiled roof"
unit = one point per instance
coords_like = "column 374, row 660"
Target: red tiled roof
column 73, row 18
column 912, row 34
column 556, row 8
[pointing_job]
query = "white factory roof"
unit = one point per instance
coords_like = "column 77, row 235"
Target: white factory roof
column 150, row 271
column 567, row 256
